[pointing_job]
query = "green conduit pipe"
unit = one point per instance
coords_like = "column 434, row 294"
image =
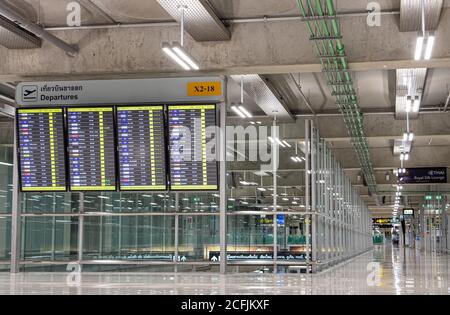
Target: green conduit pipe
column 335, row 67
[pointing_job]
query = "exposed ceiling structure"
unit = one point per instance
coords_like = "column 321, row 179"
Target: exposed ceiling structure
column 267, row 44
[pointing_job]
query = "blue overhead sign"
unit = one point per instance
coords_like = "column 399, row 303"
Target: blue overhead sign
column 436, row 175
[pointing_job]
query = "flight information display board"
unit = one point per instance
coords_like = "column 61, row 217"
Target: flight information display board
column 41, row 149
column 142, row 148
column 192, row 165
column 91, row 149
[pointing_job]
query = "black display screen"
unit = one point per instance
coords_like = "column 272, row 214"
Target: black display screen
column 91, row 149
column 142, row 148
column 193, row 164
column 41, row 148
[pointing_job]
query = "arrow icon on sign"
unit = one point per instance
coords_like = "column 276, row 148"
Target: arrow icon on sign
column 214, row 258
column 183, row 258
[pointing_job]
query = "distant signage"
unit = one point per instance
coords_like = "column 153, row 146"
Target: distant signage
column 280, row 219
column 408, row 211
column 437, row 175
column 384, row 223
column 143, row 256
column 237, row 256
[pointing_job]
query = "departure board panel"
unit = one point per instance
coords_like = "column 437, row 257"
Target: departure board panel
column 142, row 153
column 193, row 164
column 91, row 149
column 41, row 149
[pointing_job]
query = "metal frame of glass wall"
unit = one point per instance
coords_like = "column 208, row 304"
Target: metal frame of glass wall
column 119, row 231
column 341, row 222
column 6, row 174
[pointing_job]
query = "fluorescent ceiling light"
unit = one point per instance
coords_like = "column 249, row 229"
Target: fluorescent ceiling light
column 408, row 106
column 406, row 157
column 429, row 50
column 416, row 105
column 261, row 189
column 287, row 144
column 238, row 111
column 6, row 164
column 245, row 112
column 293, row 158
column 405, row 137
column 271, row 139
column 419, row 47
column 185, row 56
column 280, row 143
column 168, row 50
column 299, row 159
column 411, row 136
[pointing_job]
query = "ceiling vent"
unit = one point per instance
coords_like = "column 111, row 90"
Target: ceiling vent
column 13, row 36
column 201, row 21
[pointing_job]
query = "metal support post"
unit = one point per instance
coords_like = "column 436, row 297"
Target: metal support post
column 223, row 188
column 16, row 211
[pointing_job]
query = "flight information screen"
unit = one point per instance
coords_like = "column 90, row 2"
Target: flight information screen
column 142, row 153
column 41, row 149
column 193, row 164
column 91, row 149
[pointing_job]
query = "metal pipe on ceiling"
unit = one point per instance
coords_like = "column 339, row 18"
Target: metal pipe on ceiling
column 305, row 99
column 447, row 103
column 227, row 21
column 91, row 5
column 38, row 31
column 7, row 99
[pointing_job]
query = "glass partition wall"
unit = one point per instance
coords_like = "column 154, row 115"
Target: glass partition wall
column 290, row 209
column 341, row 222
column 6, row 173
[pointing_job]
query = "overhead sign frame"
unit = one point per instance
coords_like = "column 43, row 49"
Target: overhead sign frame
column 127, row 92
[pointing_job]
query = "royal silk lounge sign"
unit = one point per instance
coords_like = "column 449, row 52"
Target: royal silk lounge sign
column 436, row 175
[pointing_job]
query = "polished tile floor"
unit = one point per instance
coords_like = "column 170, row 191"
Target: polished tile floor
column 385, row 270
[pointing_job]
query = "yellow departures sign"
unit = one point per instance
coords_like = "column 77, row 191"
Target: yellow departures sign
column 204, row 88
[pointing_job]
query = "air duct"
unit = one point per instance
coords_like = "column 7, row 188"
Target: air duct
column 15, row 37
column 7, row 13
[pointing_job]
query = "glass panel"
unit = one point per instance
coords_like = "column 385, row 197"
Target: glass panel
column 291, row 237
column 250, row 237
column 50, row 202
column 208, row 202
column 50, row 238
column 198, row 237
column 129, row 202
column 129, row 238
column 6, row 166
column 5, row 238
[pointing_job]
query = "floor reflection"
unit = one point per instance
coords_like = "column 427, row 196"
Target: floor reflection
column 402, row 271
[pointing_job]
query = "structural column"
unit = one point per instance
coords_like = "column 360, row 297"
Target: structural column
column 223, row 187
column 15, row 220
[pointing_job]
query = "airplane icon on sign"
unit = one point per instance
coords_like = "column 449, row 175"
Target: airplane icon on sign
column 29, row 93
